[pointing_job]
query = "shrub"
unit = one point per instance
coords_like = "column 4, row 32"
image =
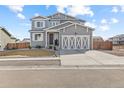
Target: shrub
column 29, row 47
column 38, row 46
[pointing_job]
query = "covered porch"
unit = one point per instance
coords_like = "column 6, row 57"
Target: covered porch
column 52, row 39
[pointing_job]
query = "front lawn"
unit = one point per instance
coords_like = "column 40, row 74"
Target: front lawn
column 30, row 53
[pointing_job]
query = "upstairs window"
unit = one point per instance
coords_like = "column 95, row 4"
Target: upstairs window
column 40, row 24
column 54, row 23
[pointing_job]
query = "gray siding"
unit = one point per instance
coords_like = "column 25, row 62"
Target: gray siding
column 37, row 43
column 59, row 18
column 79, row 30
column 37, row 29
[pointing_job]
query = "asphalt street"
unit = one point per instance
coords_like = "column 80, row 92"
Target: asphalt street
column 33, row 77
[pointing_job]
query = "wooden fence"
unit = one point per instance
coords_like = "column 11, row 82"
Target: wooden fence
column 17, row 45
column 103, row 45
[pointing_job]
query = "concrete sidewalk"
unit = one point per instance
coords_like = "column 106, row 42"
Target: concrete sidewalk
column 91, row 58
column 30, row 58
column 36, row 61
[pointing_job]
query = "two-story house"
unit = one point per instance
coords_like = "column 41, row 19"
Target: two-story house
column 60, row 31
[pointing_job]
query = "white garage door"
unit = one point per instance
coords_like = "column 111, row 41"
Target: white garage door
column 75, row 41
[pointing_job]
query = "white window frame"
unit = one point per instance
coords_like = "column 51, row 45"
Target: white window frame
column 54, row 22
column 41, row 38
column 40, row 24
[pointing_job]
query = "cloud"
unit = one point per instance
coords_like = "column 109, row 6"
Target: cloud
column 61, row 8
column 47, row 6
column 36, row 14
column 91, row 24
column 122, row 8
column 105, row 24
column 25, row 24
column 104, row 27
column 114, row 20
column 21, row 16
column 115, row 9
column 75, row 10
column 93, row 20
column 16, row 8
column 104, row 21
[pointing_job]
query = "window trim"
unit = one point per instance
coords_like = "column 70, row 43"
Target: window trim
column 54, row 22
column 40, row 24
column 41, row 38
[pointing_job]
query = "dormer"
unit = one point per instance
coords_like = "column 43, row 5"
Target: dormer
column 38, row 22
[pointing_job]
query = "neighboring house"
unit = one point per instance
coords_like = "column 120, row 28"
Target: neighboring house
column 13, row 40
column 26, row 40
column 5, row 38
column 117, row 40
column 61, row 31
column 97, row 39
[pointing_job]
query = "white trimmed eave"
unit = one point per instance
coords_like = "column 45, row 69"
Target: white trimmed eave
column 73, row 23
column 36, row 31
column 83, row 26
column 52, row 30
column 58, row 25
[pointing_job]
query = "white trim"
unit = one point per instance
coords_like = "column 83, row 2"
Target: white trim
column 52, row 31
column 87, row 29
column 42, row 18
column 80, row 24
column 41, row 38
column 46, row 39
column 57, row 25
column 69, row 25
column 79, row 43
column 65, row 26
column 39, row 19
column 75, row 26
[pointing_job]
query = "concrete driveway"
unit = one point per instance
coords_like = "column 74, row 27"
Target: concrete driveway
column 90, row 58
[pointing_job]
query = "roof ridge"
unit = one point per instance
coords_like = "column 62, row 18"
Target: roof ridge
column 67, row 15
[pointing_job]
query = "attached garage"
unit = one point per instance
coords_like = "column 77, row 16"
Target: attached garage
column 75, row 42
column 70, row 36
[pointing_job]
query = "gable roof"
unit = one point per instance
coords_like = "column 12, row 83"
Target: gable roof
column 3, row 29
column 117, row 36
column 60, row 25
column 66, row 24
column 37, row 17
column 72, row 18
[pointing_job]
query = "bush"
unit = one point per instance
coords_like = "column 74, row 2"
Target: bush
column 38, row 46
column 29, row 47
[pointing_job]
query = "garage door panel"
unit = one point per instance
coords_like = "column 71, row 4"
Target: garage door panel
column 75, row 42
column 72, row 42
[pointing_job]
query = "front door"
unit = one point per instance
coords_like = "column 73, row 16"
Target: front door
column 51, row 39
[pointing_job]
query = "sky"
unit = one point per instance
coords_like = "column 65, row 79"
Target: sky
column 108, row 20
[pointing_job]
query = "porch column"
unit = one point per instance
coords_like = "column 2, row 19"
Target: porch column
column 46, row 39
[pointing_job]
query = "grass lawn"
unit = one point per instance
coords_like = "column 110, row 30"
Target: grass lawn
column 31, row 53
